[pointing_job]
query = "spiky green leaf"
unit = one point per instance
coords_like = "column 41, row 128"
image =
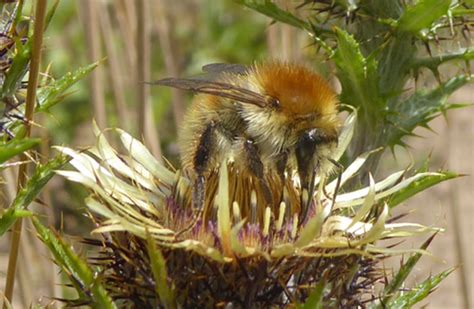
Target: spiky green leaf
column 422, row 107
column 420, row 292
column 394, row 285
column 422, row 15
column 358, row 76
column 17, row 70
column 30, row 191
column 82, row 276
column 419, row 185
column 55, row 91
column 434, row 62
column 15, row 147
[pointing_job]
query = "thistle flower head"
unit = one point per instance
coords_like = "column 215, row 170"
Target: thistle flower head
column 240, row 251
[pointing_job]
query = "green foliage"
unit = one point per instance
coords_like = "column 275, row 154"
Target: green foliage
column 358, row 77
column 17, row 70
column 16, row 53
column 158, row 267
column 422, row 15
column 82, row 277
column 392, row 288
column 420, row 108
column 22, row 56
column 9, row 217
column 14, row 147
column 418, row 293
column 26, row 195
column 419, row 185
column 54, row 91
column 315, row 299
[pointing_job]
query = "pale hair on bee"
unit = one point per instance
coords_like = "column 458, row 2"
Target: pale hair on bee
column 271, row 117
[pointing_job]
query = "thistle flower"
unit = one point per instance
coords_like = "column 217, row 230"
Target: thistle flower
column 240, row 252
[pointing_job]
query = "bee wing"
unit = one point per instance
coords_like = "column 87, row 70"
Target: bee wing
column 218, row 89
column 219, row 68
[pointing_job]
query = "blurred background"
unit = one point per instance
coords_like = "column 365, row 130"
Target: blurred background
column 139, row 41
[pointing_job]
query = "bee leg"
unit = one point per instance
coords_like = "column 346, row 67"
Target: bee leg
column 199, row 192
column 201, row 165
column 281, row 162
column 255, row 166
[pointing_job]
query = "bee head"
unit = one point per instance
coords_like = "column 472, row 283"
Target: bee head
column 296, row 97
column 298, row 90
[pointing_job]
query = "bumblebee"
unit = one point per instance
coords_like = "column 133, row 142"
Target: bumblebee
column 273, row 117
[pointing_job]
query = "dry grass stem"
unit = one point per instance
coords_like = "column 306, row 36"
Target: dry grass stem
column 125, row 13
column 29, row 109
column 458, row 247
column 169, row 55
column 116, row 70
column 91, row 27
column 146, row 125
